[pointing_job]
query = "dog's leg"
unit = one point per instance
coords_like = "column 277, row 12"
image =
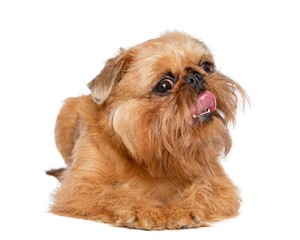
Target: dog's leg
column 203, row 202
column 66, row 134
column 67, row 129
column 90, row 199
column 92, row 190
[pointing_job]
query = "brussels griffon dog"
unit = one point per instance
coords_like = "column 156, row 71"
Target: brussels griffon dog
column 143, row 149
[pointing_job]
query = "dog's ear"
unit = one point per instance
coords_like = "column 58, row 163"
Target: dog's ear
column 110, row 75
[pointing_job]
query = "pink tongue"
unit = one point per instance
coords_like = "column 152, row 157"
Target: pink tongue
column 206, row 100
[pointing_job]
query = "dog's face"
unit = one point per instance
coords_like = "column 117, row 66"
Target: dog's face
column 168, row 105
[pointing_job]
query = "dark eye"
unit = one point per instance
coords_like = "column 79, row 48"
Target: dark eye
column 163, row 86
column 207, row 67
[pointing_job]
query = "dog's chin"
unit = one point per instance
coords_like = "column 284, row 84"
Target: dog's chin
column 203, row 118
column 165, row 143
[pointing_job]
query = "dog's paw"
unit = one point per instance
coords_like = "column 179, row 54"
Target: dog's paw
column 183, row 219
column 147, row 219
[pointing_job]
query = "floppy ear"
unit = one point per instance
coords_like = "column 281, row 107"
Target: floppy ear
column 110, row 75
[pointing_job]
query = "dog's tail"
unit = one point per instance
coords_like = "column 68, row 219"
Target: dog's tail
column 58, row 173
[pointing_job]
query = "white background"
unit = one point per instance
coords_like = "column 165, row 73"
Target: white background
column 49, row 50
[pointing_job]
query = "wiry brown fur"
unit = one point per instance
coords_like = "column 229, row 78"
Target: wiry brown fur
column 138, row 160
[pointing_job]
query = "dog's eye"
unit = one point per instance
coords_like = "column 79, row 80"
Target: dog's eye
column 207, row 67
column 163, row 86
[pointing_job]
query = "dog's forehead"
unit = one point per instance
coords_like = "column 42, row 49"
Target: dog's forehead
column 182, row 44
column 151, row 60
column 173, row 50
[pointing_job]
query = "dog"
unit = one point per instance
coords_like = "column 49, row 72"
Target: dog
column 143, row 150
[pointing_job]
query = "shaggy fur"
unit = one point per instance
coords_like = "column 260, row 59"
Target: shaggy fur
column 140, row 160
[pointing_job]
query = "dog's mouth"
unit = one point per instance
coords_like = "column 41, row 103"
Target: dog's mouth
column 205, row 105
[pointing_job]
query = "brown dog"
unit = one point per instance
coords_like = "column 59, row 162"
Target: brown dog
column 143, row 150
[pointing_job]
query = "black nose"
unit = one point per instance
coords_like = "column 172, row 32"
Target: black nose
column 196, row 80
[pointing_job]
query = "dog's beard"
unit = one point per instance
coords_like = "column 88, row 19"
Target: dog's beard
column 163, row 137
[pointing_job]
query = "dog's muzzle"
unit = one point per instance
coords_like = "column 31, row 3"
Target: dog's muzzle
column 196, row 81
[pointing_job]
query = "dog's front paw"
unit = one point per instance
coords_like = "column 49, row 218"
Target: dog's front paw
column 182, row 219
column 141, row 218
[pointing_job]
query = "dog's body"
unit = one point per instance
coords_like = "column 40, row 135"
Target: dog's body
column 148, row 157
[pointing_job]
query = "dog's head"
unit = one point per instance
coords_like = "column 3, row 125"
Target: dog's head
column 168, row 104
